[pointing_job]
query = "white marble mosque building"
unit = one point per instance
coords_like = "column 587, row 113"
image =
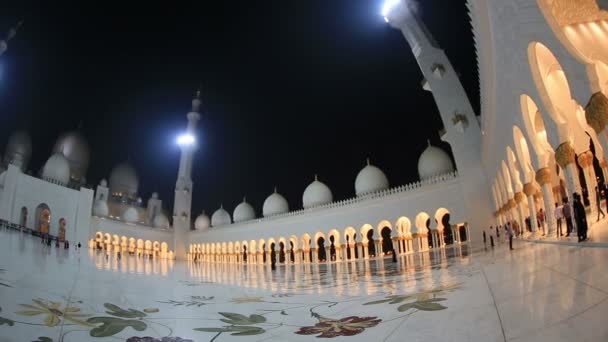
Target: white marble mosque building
column 543, row 72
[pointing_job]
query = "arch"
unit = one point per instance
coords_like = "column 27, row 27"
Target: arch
column 320, row 242
column 115, row 240
column 514, row 169
column 224, row 248
column 404, row 226
column 349, row 234
column 164, row 247
column 107, row 239
column 132, row 244
column 252, row 246
column 124, row 241
column 261, row 245
column 99, row 236
column 507, row 179
column 148, row 245
column 364, row 230
column 305, row 241
column 43, row 218
column 439, row 215
column 294, row 240
column 140, row 244
column 230, row 247
column 156, row 246
column 535, row 128
column 421, row 222
column 385, row 223
column 336, row 235
column 523, row 154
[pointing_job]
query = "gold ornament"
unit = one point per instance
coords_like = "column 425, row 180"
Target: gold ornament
column 564, row 154
column 511, row 204
column 529, row 189
column 519, row 197
column 585, row 159
column 596, row 111
column 543, row 176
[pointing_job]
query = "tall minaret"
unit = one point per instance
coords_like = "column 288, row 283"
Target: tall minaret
column 11, row 34
column 462, row 128
column 183, row 186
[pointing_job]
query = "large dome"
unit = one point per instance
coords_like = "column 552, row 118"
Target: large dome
column 160, row 221
column 275, row 204
column 100, row 208
column 124, row 180
column 202, row 222
column 19, row 144
column 57, row 170
column 243, row 212
column 433, row 162
column 316, row 194
column 220, row 218
column 76, row 150
column 130, row 215
column 370, row 179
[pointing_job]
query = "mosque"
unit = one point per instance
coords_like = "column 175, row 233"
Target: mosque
column 543, row 72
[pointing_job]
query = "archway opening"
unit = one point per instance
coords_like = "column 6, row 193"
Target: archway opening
column 62, row 229
column 387, row 242
column 321, row 253
column 43, row 218
column 371, row 245
column 23, row 217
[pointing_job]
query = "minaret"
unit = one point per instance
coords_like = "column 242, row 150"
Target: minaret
column 463, row 131
column 183, row 186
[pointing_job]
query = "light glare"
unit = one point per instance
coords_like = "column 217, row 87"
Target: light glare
column 185, row 140
column 388, row 6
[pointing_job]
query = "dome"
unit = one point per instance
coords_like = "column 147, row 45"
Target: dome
column 370, row 179
column 433, row 162
column 19, row 144
column 202, row 222
column 220, row 217
column 160, row 221
column 76, row 150
column 275, row 204
column 316, row 194
column 124, row 180
column 57, row 170
column 104, row 183
column 130, row 215
column 243, row 212
column 100, row 208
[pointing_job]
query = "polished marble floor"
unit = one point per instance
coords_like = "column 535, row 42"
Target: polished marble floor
column 538, row 292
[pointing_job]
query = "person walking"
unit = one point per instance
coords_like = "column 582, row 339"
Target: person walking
column 580, row 217
column 559, row 215
column 484, row 236
column 567, row 213
column 598, row 200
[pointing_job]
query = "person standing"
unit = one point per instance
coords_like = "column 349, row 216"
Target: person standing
column 541, row 219
column 580, row 217
column 559, row 215
column 510, row 235
column 484, row 236
column 567, row 213
column 598, row 200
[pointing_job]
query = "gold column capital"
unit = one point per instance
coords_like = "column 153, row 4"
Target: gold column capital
column 585, row 159
column 529, row 189
column 519, row 197
column 543, row 176
column 564, row 154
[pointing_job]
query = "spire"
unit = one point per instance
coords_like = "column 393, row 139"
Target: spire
column 368, row 164
column 275, row 189
column 244, row 199
column 196, row 102
column 428, row 141
column 316, row 178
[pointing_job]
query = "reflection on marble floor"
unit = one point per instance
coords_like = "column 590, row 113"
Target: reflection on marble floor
column 535, row 293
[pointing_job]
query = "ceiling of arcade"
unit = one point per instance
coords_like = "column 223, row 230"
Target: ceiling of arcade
column 569, row 12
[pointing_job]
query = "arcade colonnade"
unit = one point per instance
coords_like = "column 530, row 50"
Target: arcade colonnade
column 544, row 167
column 139, row 247
column 348, row 244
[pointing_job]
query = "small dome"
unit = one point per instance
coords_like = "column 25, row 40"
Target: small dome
column 130, row 215
column 124, row 180
column 160, row 221
column 76, row 150
column 104, row 183
column 202, row 222
column 370, row 179
column 57, row 170
column 316, row 194
column 275, row 204
column 243, row 212
column 18, row 148
column 220, row 217
column 433, row 162
column 100, row 208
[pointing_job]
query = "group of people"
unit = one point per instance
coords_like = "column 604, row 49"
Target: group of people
column 572, row 215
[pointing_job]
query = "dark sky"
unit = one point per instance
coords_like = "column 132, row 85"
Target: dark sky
column 290, row 88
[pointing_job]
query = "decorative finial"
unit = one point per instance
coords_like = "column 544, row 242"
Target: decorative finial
column 428, row 141
column 316, row 178
column 221, row 206
column 275, row 189
column 196, row 102
column 368, row 162
column 244, row 199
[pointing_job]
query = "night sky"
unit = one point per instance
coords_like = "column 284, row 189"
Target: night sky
column 290, row 88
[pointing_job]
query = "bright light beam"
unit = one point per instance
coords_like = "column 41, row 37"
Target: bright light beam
column 387, row 7
column 185, row 140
